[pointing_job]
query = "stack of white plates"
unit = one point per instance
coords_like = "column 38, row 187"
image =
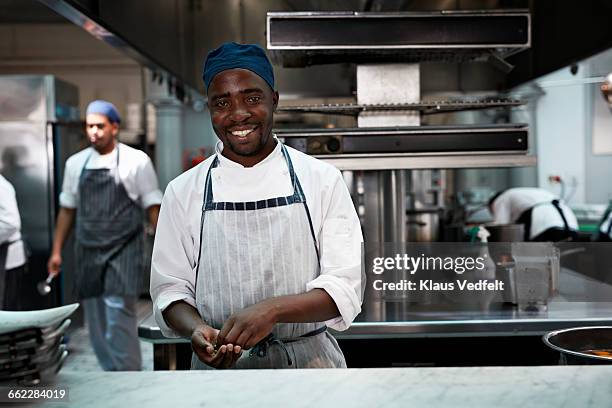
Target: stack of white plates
column 31, row 348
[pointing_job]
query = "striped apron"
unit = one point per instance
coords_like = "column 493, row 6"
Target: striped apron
column 109, row 236
column 251, row 251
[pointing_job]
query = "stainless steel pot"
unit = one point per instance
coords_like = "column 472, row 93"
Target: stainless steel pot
column 571, row 344
column 506, row 233
column 423, row 225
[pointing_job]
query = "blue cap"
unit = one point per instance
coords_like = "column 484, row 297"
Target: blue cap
column 104, row 108
column 233, row 55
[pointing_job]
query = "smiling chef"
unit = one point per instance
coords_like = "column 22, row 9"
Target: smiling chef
column 258, row 248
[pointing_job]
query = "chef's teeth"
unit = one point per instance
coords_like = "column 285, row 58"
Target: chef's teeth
column 242, row 132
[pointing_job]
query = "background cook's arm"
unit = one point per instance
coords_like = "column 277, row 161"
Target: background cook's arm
column 148, row 190
column 65, row 221
column 153, row 215
column 66, row 215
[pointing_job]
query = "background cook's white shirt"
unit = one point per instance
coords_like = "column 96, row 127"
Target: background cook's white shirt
column 334, row 219
column 10, row 225
column 509, row 206
column 135, row 172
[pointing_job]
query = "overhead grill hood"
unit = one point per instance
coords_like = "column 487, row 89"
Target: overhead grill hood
column 309, row 38
column 388, row 95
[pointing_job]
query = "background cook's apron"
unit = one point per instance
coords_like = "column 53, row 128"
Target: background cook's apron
column 109, row 236
column 251, row 251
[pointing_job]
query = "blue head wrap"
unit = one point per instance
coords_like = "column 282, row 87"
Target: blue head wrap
column 233, row 55
column 104, row 108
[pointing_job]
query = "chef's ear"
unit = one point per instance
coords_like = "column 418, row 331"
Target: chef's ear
column 275, row 99
column 114, row 128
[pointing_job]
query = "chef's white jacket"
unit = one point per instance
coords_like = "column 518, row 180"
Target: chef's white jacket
column 334, row 220
column 512, row 203
column 135, row 172
column 10, row 225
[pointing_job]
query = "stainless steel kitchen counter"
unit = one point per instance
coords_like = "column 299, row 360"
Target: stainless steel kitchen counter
column 414, row 323
column 392, row 320
column 546, row 386
column 396, row 319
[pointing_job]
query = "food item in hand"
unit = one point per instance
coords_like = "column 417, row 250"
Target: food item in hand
column 215, row 349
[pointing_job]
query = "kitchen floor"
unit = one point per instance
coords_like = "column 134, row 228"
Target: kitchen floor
column 81, row 356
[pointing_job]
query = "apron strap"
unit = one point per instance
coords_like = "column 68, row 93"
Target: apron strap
column 83, row 168
column 261, row 348
column 297, row 189
column 208, row 190
column 206, row 202
column 555, row 203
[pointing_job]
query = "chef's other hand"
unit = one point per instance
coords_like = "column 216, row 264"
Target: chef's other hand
column 249, row 326
column 203, row 340
column 54, row 264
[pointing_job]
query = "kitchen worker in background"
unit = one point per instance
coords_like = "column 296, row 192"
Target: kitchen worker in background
column 545, row 217
column 12, row 252
column 105, row 189
column 257, row 248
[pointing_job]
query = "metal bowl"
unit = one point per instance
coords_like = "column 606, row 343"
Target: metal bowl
column 572, row 343
column 506, row 232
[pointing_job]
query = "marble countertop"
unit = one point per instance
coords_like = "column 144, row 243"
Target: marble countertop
column 549, row 386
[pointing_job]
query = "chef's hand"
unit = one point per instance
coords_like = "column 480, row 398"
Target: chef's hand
column 54, row 264
column 203, row 340
column 249, row 326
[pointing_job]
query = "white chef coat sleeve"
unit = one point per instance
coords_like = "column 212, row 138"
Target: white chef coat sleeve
column 146, row 182
column 172, row 263
column 502, row 211
column 340, row 251
column 70, row 185
column 10, row 222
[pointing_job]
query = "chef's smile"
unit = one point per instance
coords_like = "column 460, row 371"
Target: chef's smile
column 242, row 133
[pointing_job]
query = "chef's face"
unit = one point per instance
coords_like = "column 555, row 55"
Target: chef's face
column 101, row 132
column 241, row 107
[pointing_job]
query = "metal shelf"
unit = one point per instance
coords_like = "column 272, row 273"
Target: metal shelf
column 425, row 107
column 442, row 161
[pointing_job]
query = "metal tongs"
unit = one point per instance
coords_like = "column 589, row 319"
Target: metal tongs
column 44, row 287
